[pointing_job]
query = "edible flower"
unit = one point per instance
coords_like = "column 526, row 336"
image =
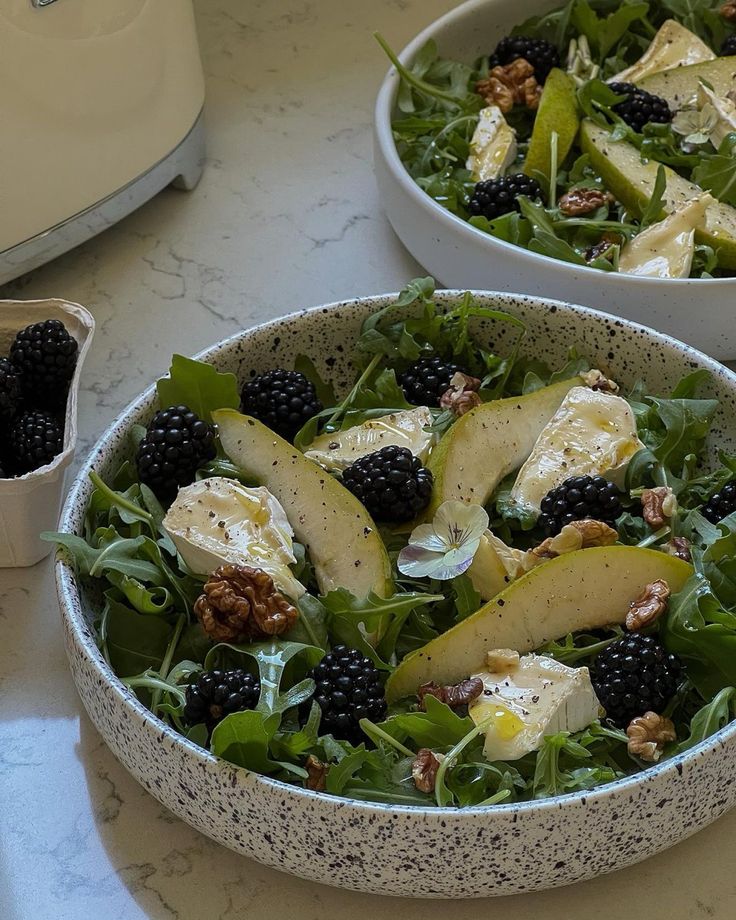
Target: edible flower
column 696, row 125
column 445, row 548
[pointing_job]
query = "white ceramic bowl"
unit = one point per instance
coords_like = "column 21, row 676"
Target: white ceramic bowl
column 700, row 312
column 417, row 852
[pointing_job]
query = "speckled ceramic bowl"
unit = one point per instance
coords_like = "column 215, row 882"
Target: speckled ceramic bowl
column 698, row 311
column 417, row 852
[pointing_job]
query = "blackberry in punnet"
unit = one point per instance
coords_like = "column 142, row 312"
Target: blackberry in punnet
column 177, row 442
column 640, row 107
column 427, row 379
column 45, row 355
column 635, row 675
column 283, row 400
column 348, row 689
column 493, row 198
column 729, row 46
column 391, row 482
column 35, row 439
column 721, row 504
column 10, row 391
column 541, row 54
column 216, row 694
column 577, row 499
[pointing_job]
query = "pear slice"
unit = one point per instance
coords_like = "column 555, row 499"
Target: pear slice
column 672, row 46
column 558, row 111
column 489, row 442
column 586, row 589
column 338, row 533
column 632, row 182
column 679, row 86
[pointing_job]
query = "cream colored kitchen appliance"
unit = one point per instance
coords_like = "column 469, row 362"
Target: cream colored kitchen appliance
column 100, row 108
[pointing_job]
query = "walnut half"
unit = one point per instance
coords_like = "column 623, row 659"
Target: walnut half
column 453, row 695
column 658, row 505
column 510, row 85
column 648, row 735
column 316, row 774
column 424, row 769
column 241, row 603
column 728, row 11
column 574, row 536
column 579, row 201
column 649, row 605
column 461, row 396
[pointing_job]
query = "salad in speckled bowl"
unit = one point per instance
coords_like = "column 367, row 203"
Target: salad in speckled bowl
column 468, row 577
column 600, row 134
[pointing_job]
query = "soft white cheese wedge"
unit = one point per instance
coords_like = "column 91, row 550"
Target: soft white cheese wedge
column 338, row 450
column 217, row 521
column 523, row 703
column 592, row 433
column 672, row 46
column 725, row 109
column 492, row 146
column 666, row 249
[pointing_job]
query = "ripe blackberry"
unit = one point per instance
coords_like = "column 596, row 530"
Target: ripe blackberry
column 634, row 675
column 721, row 504
column 348, row 689
column 283, row 400
column 10, row 391
column 493, row 198
column 729, row 46
column 177, row 442
column 45, row 355
column 426, row 380
column 391, row 482
column 578, row 498
column 640, row 107
column 541, row 54
column 35, row 439
column 215, row 694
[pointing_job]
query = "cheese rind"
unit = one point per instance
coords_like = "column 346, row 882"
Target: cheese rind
column 539, row 697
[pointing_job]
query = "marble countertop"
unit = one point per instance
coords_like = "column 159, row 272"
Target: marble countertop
column 286, row 216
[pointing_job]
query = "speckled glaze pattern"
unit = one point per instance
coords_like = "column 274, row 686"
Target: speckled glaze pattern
column 416, row 852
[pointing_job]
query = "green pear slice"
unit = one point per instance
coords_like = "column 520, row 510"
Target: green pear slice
column 336, row 530
column 586, row 589
column 679, row 86
column 632, row 182
column 489, row 442
column 558, row 111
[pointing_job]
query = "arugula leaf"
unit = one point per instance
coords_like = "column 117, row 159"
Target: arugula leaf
column 604, row 32
column 199, row 386
column 243, row 738
column 703, row 634
column 709, row 719
column 437, row 728
column 717, row 173
column 653, row 210
column 133, row 642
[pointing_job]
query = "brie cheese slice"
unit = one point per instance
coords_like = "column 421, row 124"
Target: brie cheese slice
column 666, row 249
column 336, row 451
column 218, row 521
column 672, row 46
column 592, row 433
column 538, row 696
column 493, row 145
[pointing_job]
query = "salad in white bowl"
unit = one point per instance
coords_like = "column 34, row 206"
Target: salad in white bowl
column 468, row 579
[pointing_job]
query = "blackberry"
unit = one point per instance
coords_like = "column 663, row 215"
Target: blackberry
column 177, row 442
column 721, row 504
column 578, row 498
column 391, row 482
column 216, row 694
column 45, row 355
column 541, row 54
column 729, row 46
column 493, row 198
column 426, row 380
column 35, row 439
column 640, row 107
column 348, row 689
column 283, row 400
column 10, row 391
column 634, row 675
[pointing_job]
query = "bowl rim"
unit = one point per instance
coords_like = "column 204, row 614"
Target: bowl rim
column 383, row 111
column 69, row 596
